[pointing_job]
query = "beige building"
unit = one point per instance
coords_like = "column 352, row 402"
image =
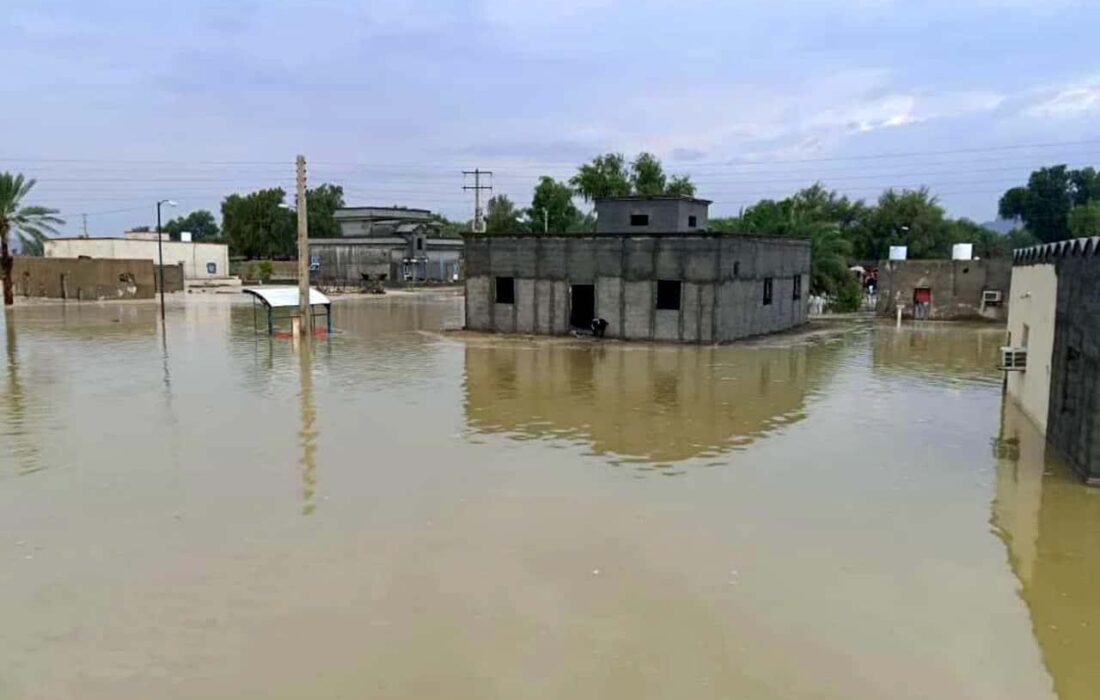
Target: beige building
column 1031, row 326
column 200, row 260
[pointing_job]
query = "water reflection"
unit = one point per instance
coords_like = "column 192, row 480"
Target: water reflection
column 1050, row 524
column 653, row 404
column 307, row 435
column 939, row 351
column 15, row 431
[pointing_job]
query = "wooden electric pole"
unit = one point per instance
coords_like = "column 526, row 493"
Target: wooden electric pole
column 305, row 319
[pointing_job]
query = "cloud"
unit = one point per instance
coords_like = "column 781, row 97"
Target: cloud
column 1072, row 101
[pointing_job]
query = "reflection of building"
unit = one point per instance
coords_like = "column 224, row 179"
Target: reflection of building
column 939, row 351
column 657, row 404
column 391, row 244
column 679, row 284
column 1055, row 318
column 200, row 260
column 944, row 289
column 1051, row 526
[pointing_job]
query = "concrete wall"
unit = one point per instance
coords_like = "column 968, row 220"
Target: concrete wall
column 195, row 257
column 1034, row 296
column 1073, row 417
column 83, row 279
column 956, row 285
column 173, row 278
column 665, row 215
column 721, row 294
column 344, row 262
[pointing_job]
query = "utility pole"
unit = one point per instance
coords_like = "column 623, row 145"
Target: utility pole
column 85, row 218
column 479, row 219
column 305, row 320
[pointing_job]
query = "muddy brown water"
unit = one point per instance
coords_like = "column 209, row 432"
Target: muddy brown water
column 403, row 513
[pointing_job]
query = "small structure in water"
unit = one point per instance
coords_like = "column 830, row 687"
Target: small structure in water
column 1053, row 354
column 282, row 302
column 651, row 270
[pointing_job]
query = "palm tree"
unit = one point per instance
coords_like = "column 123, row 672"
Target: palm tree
column 31, row 224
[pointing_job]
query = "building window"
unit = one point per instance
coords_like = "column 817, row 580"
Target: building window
column 692, row 222
column 1025, row 336
column 639, row 219
column 420, row 244
column 767, row 291
column 736, row 268
column 211, row 268
column 506, row 290
column 797, row 293
column 668, row 295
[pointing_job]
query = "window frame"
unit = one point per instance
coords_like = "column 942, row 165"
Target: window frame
column 639, row 220
column 693, row 221
column 796, row 292
column 769, row 291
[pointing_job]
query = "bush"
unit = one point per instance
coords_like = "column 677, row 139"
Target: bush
column 266, row 269
column 849, row 296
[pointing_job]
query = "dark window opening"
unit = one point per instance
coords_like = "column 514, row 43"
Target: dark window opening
column 639, row 219
column 506, row 290
column 797, row 293
column 582, row 305
column 668, row 295
column 692, row 222
column 736, row 268
column 767, row 291
column 420, row 244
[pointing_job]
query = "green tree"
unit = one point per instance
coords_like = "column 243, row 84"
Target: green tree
column 199, row 223
column 911, row 218
column 321, row 204
column 605, row 176
column 681, row 186
column 502, row 215
column 554, row 200
column 32, row 225
column 451, row 229
column 1084, row 219
column 1044, row 205
column 647, row 175
column 257, row 226
column 1021, row 238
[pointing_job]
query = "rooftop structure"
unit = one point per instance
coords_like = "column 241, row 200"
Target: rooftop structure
column 657, row 214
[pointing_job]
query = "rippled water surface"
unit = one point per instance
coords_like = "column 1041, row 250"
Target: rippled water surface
column 399, row 512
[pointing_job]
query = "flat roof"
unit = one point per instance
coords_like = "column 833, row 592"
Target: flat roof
column 132, row 240
column 654, row 198
column 283, row 297
column 647, row 234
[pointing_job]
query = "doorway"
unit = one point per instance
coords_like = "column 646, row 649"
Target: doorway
column 582, row 305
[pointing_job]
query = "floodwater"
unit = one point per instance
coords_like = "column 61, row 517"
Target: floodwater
column 398, row 512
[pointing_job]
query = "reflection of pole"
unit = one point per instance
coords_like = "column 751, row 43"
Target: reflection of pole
column 307, row 436
column 15, row 399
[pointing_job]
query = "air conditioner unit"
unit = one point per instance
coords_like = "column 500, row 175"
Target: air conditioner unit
column 1013, row 358
column 993, row 296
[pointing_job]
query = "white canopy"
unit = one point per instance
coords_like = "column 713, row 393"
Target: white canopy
column 285, row 297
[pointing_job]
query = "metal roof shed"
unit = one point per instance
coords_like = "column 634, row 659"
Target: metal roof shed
column 286, row 298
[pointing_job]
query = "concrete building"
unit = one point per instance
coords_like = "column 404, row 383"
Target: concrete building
column 1055, row 319
column 392, row 244
column 200, row 260
column 651, row 214
column 682, row 284
column 946, row 290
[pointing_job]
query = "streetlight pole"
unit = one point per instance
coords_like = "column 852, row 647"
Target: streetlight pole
column 160, row 255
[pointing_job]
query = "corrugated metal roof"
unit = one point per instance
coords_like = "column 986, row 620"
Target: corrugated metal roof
column 1084, row 247
column 284, row 297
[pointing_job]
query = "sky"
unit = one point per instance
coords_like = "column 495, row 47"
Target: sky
column 114, row 104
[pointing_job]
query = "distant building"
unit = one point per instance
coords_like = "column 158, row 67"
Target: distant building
column 391, row 244
column 1053, row 352
column 200, row 260
column 944, row 290
column 651, row 271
